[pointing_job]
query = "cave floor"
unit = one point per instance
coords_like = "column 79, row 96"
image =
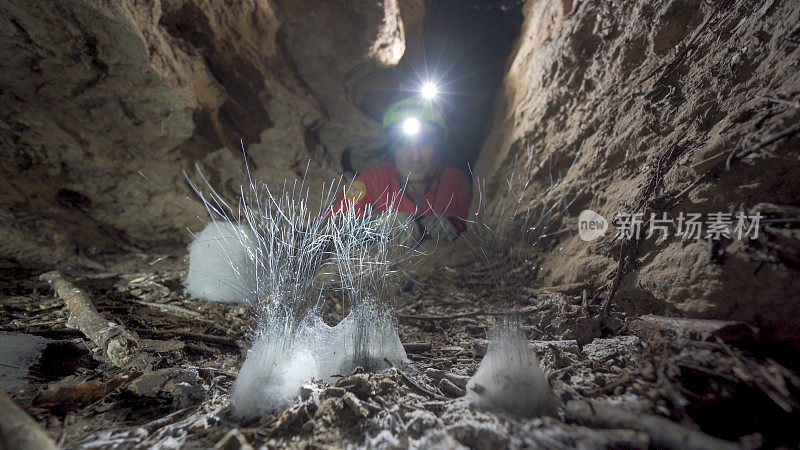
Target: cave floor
column 719, row 382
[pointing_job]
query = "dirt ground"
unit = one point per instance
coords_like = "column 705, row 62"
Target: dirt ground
column 719, row 380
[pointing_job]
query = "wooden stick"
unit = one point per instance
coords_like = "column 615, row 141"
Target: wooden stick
column 662, row 432
column 413, row 385
column 466, row 314
column 116, row 342
column 207, row 338
column 18, row 430
column 610, row 386
column 168, row 307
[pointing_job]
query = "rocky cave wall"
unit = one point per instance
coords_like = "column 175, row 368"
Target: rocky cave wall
column 96, row 95
column 650, row 95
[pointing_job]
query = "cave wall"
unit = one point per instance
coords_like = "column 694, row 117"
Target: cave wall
column 96, row 95
column 650, row 95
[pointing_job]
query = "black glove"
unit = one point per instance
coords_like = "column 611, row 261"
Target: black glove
column 440, row 228
column 401, row 227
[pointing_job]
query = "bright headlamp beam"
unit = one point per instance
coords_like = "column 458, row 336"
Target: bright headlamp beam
column 411, row 126
column 429, row 90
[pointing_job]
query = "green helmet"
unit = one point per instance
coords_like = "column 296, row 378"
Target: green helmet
column 420, row 109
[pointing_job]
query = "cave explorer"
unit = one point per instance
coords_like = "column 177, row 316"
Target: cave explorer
column 415, row 182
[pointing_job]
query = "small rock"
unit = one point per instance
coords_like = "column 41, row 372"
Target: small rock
column 436, row 407
column 184, row 386
column 755, row 440
column 294, row 417
column 475, row 434
column 386, row 386
column 201, row 423
column 418, row 422
column 17, row 353
column 359, row 384
column 307, row 390
column 332, row 392
column 560, row 318
column 355, row 405
column 450, row 389
column 436, row 374
column 648, row 371
column 234, row 440
column 625, row 348
column 417, row 347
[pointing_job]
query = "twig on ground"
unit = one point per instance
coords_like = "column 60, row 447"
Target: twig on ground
column 413, row 385
column 610, row 386
column 207, row 338
column 160, row 422
column 168, row 307
column 18, row 430
column 693, row 329
column 116, row 342
column 464, row 315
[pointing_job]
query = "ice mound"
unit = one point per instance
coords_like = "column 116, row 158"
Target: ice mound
column 271, row 375
column 367, row 336
column 280, row 360
column 221, row 262
column 509, row 377
column 276, row 256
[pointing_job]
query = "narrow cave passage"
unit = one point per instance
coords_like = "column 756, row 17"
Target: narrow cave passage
column 623, row 275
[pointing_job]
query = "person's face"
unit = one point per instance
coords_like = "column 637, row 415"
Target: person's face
column 415, row 160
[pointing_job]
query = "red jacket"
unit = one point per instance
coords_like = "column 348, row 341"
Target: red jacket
column 449, row 194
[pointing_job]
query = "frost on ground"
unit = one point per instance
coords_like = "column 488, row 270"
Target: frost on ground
column 279, row 362
column 272, row 251
column 292, row 342
column 509, row 378
column 221, row 263
column 275, row 367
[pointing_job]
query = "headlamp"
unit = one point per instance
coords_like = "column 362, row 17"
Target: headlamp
column 411, row 126
column 429, row 91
